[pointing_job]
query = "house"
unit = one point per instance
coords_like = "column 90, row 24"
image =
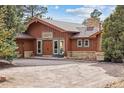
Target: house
column 49, row 37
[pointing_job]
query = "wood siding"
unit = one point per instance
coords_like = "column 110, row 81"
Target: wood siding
column 94, row 45
column 25, row 45
column 36, row 30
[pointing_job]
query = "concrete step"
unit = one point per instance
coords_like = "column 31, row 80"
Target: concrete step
column 48, row 58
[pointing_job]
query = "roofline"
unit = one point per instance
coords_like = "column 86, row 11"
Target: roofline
column 17, row 37
column 81, row 37
column 24, row 38
column 35, row 19
column 91, row 36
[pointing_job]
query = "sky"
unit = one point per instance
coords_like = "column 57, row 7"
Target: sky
column 77, row 13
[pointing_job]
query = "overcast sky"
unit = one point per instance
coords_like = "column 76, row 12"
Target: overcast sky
column 77, row 13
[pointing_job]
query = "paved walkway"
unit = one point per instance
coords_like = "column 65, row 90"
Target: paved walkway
column 48, row 73
column 39, row 62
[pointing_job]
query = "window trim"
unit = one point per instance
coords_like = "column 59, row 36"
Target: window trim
column 40, row 46
column 63, row 44
column 88, row 43
column 57, row 46
column 78, row 42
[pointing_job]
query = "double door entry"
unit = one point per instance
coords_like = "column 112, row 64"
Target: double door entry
column 50, row 47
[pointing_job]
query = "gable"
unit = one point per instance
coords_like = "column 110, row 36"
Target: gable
column 37, row 30
column 36, row 20
column 80, row 30
column 58, row 25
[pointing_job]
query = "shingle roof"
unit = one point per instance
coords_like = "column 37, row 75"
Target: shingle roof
column 80, row 29
column 67, row 26
column 74, row 27
column 23, row 36
column 85, row 33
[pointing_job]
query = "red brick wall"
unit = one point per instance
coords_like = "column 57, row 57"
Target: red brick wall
column 91, row 22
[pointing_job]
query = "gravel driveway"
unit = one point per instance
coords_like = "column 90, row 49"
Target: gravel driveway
column 48, row 73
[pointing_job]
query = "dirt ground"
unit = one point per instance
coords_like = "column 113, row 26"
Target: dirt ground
column 115, row 70
column 66, row 74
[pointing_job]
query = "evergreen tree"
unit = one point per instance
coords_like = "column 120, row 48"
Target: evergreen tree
column 14, row 18
column 11, row 23
column 20, row 18
column 7, row 37
column 95, row 14
column 113, row 36
column 34, row 10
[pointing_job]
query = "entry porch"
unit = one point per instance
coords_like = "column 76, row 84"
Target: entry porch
column 40, row 47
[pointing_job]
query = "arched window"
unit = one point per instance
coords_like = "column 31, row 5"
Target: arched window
column 86, row 42
column 79, row 43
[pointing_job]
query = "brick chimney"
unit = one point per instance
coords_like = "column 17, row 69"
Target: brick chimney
column 92, row 22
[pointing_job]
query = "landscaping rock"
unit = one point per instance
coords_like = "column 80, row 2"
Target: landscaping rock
column 2, row 78
column 5, row 64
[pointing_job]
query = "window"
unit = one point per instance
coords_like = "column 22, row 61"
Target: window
column 58, row 47
column 79, row 43
column 86, row 42
column 90, row 28
column 55, row 46
column 39, row 46
column 61, row 46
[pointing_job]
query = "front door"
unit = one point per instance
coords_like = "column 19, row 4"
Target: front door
column 47, row 47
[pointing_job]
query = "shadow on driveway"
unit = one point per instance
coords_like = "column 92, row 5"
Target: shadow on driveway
column 5, row 65
column 113, row 69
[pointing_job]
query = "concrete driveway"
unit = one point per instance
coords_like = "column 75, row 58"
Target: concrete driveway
column 53, row 73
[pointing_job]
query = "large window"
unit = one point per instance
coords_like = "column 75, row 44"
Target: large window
column 39, row 46
column 55, row 46
column 61, row 44
column 79, row 43
column 58, row 46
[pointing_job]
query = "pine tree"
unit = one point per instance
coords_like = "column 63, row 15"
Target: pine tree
column 14, row 18
column 11, row 23
column 113, row 36
column 9, row 26
column 95, row 14
column 34, row 10
column 20, row 19
column 7, row 37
